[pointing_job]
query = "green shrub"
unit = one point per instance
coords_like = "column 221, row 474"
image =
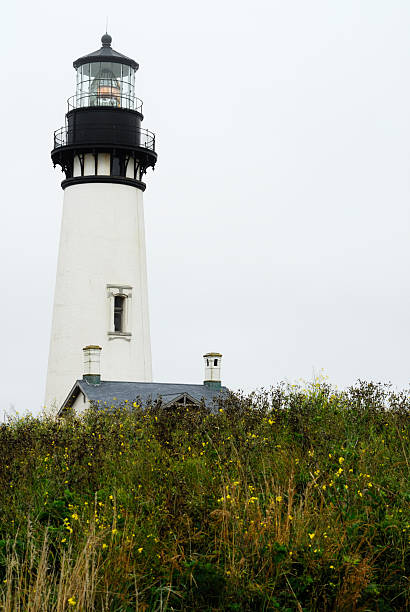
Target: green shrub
column 288, row 499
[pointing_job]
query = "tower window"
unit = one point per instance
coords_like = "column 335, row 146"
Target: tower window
column 117, row 165
column 215, row 362
column 119, row 303
column 120, row 311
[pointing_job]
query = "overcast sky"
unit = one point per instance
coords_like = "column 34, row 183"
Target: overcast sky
column 277, row 218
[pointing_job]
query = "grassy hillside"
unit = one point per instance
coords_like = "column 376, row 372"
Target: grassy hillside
column 290, row 499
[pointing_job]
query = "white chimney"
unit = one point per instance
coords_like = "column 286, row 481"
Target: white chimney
column 91, row 372
column 213, row 370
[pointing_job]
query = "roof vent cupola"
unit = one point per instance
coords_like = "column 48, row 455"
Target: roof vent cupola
column 92, row 354
column 213, row 370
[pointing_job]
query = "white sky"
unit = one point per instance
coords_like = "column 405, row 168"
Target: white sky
column 277, row 218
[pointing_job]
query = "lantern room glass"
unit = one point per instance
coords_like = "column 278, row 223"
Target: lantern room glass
column 105, row 84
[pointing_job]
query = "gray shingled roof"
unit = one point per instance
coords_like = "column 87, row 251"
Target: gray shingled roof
column 109, row 393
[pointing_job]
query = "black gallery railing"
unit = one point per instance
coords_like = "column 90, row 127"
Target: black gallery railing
column 137, row 137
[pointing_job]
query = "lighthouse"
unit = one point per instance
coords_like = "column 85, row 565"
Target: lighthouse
column 101, row 294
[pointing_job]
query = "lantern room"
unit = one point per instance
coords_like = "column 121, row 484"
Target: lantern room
column 105, row 78
column 102, row 134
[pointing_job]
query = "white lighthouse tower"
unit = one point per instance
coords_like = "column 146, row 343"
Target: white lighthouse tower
column 101, row 292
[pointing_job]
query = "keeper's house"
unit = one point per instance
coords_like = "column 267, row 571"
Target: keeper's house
column 92, row 391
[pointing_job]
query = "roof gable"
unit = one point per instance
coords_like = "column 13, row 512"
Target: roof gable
column 183, row 399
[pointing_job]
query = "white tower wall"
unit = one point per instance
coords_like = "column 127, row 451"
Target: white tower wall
column 102, row 254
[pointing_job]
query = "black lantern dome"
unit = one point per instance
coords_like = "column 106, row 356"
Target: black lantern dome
column 106, row 54
column 104, row 114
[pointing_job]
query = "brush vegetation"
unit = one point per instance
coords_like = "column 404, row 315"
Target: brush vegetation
column 296, row 498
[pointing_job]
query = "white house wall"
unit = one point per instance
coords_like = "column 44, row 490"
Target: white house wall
column 80, row 405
